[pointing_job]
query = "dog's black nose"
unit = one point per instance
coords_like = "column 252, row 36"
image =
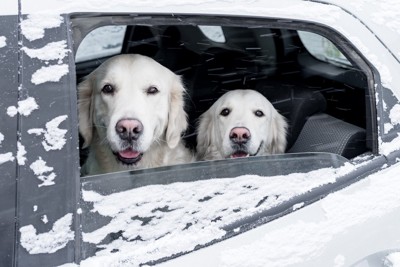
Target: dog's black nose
column 239, row 135
column 129, row 129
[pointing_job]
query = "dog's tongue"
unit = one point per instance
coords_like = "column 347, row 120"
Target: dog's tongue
column 239, row 154
column 129, row 153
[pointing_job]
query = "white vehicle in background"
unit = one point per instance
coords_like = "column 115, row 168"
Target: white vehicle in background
column 330, row 67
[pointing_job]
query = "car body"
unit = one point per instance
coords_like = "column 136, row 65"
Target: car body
column 323, row 203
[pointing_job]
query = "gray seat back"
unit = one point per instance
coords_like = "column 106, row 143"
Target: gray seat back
column 324, row 133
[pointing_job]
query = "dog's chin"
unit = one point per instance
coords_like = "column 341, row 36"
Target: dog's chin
column 128, row 156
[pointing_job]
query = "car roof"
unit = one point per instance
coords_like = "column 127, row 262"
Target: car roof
column 381, row 16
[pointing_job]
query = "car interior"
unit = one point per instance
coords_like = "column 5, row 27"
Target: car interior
column 325, row 103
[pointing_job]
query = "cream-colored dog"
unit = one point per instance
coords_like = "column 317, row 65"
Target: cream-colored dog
column 131, row 115
column 241, row 123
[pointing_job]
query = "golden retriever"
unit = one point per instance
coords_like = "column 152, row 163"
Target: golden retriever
column 131, row 115
column 240, row 123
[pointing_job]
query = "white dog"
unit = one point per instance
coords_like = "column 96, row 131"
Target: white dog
column 131, row 115
column 241, row 123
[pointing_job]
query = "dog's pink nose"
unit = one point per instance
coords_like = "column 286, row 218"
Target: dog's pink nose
column 239, row 135
column 129, row 129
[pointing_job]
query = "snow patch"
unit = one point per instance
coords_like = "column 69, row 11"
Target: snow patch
column 395, row 114
column 48, row 242
column 44, row 219
column 388, row 127
column 6, row 157
column 342, row 210
column 54, row 136
column 69, row 265
column 339, row 261
column 34, row 26
column 1, row 138
column 25, row 107
column 43, row 172
column 392, row 260
column 161, row 220
column 21, row 154
column 35, row 207
column 49, row 74
column 3, row 41
column 52, row 51
column 298, row 206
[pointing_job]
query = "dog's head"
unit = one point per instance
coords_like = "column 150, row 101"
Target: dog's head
column 131, row 102
column 241, row 123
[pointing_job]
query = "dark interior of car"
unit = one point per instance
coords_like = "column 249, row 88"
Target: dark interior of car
column 324, row 103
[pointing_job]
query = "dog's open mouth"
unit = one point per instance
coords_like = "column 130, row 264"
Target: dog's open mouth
column 128, row 156
column 239, row 154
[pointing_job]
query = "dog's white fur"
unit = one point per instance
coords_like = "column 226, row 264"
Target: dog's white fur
column 162, row 114
column 268, row 132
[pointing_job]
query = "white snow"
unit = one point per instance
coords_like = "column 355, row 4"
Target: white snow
column 48, row 242
column 54, row 137
column 21, row 152
column 35, row 207
column 6, row 157
column 298, row 206
column 43, row 172
column 51, row 51
column 395, row 114
column 51, row 73
column 44, row 219
column 3, row 42
column 9, row 7
column 33, row 28
column 344, row 209
column 340, row 261
column 1, row 138
column 69, row 265
column 168, row 219
column 25, row 107
column 392, row 260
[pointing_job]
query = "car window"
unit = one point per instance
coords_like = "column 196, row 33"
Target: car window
column 326, row 108
column 323, row 49
column 101, row 42
column 214, row 33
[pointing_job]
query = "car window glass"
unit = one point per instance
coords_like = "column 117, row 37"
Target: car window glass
column 101, row 42
column 323, row 49
column 214, row 33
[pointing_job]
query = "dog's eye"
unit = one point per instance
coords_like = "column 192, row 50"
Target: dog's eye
column 259, row 113
column 225, row 112
column 108, row 89
column 152, row 90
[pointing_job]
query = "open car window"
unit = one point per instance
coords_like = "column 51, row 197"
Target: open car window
column 137, row 216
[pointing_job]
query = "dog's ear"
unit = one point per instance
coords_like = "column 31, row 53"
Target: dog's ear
column 204, row 131
column 85, row 110
column 278, row 132
column 177, row 117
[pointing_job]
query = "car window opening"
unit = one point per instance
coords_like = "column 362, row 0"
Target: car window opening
column 308, row 80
